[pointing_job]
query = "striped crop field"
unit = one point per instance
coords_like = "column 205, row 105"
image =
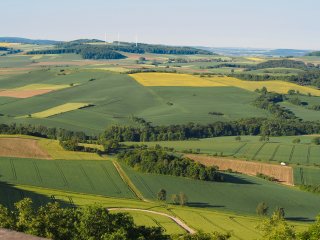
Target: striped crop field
column 91, row 177
column 171, row 79
column 278, row 149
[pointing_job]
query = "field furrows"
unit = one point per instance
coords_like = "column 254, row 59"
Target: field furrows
column 86, row 177
column 109, row 179
column 66, row 184
column 274, row 153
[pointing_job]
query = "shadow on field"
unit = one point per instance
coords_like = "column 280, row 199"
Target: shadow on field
column 228, row 178
column 11, row 194
column 203, row 205
column 299, row 219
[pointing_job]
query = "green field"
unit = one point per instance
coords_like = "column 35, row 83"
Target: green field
column 278, row 149
column 242, row 226
column 92, row 177
column 248, row 192
column 112, row 105
column 306, row 175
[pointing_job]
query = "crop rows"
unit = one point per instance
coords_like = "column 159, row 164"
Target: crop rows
column 92, row 177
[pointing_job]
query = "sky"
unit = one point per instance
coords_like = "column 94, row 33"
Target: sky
column 214, row 23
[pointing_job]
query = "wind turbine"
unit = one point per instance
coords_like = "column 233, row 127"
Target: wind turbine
column 136, row 40
column 118, row 38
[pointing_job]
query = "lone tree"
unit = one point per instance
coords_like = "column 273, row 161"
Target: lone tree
column 280, row 212
column 183, row 199
column 262, row 209
column 238, row 138
column 175, row 198
column 316, row 140
column 162, row 195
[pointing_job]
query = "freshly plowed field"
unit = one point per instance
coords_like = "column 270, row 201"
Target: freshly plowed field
column 24, row 148
column 283, row 174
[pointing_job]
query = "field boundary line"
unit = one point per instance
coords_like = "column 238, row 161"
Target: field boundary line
column 105, row 170
column 274, row 153
column 13, row 169
column 214, row 224
column 239, row 148
column 87, row 177
column 291, row 153
column 259, row 149
column 308, row 154
column 37, row 171
column 128, row 181
column 175, row 219
column 64, row 179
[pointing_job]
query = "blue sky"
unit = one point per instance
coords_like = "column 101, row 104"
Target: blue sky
column 217, row 23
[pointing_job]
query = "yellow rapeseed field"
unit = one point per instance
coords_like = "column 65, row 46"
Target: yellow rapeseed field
column 173, row 80
column 67, row 107
column 255, row 59
column 5, row 44
column 185, row 80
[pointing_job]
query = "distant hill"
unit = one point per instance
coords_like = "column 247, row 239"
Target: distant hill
column 86, row 41
column 259, row 52
column 27, row 41
column 317, row 53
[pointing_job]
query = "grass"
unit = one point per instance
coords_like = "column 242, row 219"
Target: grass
column 278, row 149
column 243, row 227
column 306, row 175
column 42, row 86
column 92, row 177
column 67, row 107
column 240, row 194
column 57, row 152
column 302, row 112
column 112, row 105
column 170, row 79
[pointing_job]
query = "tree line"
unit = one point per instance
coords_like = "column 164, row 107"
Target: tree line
column 251, row 126
column 86, row 51
column 44, row 132
column 309, row 76
column 157, row 160
column 269, row 101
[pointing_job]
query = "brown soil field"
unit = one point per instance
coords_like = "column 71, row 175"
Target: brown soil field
column 22, row 93
column 284, row 174
column 23, row 148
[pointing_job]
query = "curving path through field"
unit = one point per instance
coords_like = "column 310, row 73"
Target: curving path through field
column 175, row 219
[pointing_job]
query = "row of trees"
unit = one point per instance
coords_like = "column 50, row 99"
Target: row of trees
column 51, row 51
column 251, row 126
column 309, row 76
column 269, row 101
column 45, row 132
column 85, row 50
column 157, row 160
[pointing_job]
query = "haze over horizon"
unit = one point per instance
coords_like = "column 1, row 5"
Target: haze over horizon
column 230, row 23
